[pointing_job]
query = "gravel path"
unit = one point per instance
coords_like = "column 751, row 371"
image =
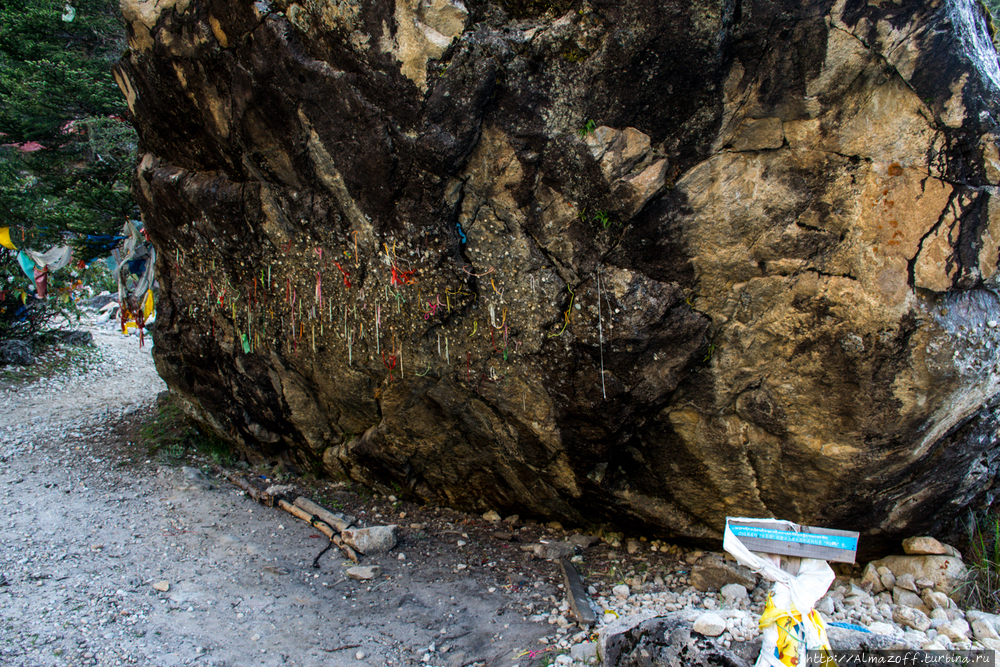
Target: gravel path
column 118, row 379
column 110, row 557
column 107, row 558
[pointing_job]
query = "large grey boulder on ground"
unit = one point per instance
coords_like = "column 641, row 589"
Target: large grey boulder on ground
column 647, row 262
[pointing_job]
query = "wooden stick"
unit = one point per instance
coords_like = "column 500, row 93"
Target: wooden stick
column 348, row 551
column 252, row 491
column 326, row 515
column 318, row 524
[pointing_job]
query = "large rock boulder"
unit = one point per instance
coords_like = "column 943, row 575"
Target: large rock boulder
column 647, row 262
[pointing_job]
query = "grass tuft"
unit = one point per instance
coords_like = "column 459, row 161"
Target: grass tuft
column 171, row 437
column 981, row 589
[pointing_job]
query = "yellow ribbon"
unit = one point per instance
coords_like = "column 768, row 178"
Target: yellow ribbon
column 791, row 633
column 5, row 238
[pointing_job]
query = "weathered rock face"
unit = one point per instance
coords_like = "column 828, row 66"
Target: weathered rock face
column 647, row 262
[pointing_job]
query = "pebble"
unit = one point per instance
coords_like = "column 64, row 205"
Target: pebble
column 364, row 572
column 710, row 625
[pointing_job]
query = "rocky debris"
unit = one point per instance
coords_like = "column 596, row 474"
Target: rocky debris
column 621, row 591
column 493, row 241
column 944, row 573
column 193, row 479
column 583, row 541
column 364, row 572
column 16, row 352
column 734, row 595
column 373, row 540
column 909, row 617
column 552, row 550
column 668, row 640
column 77, row 337
column 714, row 572
column 276, row 491
column 161, row 586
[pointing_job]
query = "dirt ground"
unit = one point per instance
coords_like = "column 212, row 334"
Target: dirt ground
column 94, row 524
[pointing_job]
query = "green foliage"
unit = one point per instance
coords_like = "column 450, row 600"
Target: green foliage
column 588, row 128
column 68, row 152
column 171, row 437
column 981, row 589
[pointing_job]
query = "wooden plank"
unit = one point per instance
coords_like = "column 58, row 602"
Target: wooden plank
column 576, row 595
column 772, row 537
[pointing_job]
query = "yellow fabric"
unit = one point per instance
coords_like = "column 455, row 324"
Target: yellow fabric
column 147, row 305
column 5, row 238
column 791, row 633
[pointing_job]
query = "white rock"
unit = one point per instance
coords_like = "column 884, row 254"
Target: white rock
column 880, row 628
column 583, row 652
column 918, row 546
column 907, row 582
column 162, row 586
column 957, row 630
column 371, row 541
column 909, row 617
column 733, row 594
column 364, row 572
column 946, row 572
column 621, row 591
column 976, row 615
column 939, row 614
column 983, row 630
column 710, row 625
column 935, row 599
column 993, row 644
column 492, row 517
column 901, row 596
column 872, row 578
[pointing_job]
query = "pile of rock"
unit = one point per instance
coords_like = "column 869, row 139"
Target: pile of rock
column 901, row 602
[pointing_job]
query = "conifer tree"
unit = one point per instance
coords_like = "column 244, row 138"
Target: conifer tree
column 67, row 149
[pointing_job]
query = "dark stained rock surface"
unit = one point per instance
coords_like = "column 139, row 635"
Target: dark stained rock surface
column 651, row 263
